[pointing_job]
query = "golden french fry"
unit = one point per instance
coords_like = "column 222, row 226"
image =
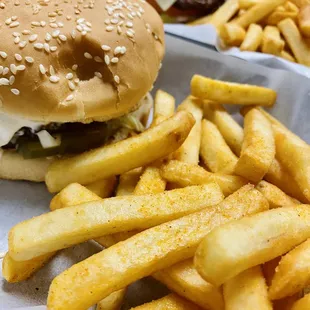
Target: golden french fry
column 253, row 38
column 164, row 106
column 231, row 131
column 128, row 181
column 103, row 188
column 246, row 290
column 291, row 7
column 246, row 4
column 87, row 282
column 302, row 304
column 276, row 16
column 68, row 226
column 280, row 8
column 295, row 41
column 232, row 34
column 189, row 150
column 184, row 174
column 272, row 42
column 113, row 301
column 261, row 237
column 214, row 151
column 224, row 13
column 171, row 302
column 286, row 55
column 304, row 20
column 275, row 196
column 257, row 12
column 258, row 148
column 154, row 143
column 183, row 279
column 292, row 274
column 231, row 93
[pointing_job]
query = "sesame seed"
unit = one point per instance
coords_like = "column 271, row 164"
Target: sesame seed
column 76, row 81
column 119, row 30
column 87, row 55
column 88, row 24
column 52, row 14
column 123, row 51
column 129, row 24
column 62, row 37
column 15, row 91
column 46, row 47
column 129, row 34
column 129, row 15
column 133, row 14
column 80, row 20
column 117, row 50
column 52, row 70
column 4, row 81
column 42, row 69
column 107, row 21
column 121, row 15
column 1, row 69
column 38, row 46
column 17, row 40
column 109, row 28
column 69, row 98
column 107, row 59
column 42, row 23
column 139, row 14
column 21, row 68
column 54, row 79
column 29, row 59
column 48, row 37
column 18, row 57
column 33, row 37
column 53, row 48
column 60, row 24
column 98, row 59
column 8, row 21
column 13, row 69
column 16, row 34
column 12, row 79
column 106, row 48
column 68, row 17
column 84, row 33
column 73, row 34
column 3, row 54
column 114, row 60
column 53, row 25
column 69, row 76
column 79, row 28
column 71, row 85
column 98, row 74
column 55, row 33
column 74, row 67
column 116, row 79
column 35, row 24
column 114, row 21
column 14, row 24
column 26, row 32
column 6, row 70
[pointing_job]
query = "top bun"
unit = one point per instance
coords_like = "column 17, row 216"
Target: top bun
column 77, row 60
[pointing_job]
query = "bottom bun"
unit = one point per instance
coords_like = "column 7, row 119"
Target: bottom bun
column 14, row 167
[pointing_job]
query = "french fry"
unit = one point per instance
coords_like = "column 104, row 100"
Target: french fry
column 292, row 274
column 286, row 55
column 291, row 7
column 184, row 174
column 164, row 106
column 231, row 131
column 201, row 21
column 171, row 302
column 232, row 34
column 143, row 149
column 246, row 4
column 295, row 41
column 214, row 151
column 302, row 304
column 224, row 13
column 304, row 20
column 246, row 290
column 103, row 188
column 261, row 237
column 128, row 182
column 241, row 12
column 183, row 279
column 231, row 93
column 87, row 282
column 253, row 38
column 113, row 301
column 276, row 16
column 257, row 12
column 189, row 150
column 275, row 196
column 258, row 147
column 272, row 42
column 68, row 226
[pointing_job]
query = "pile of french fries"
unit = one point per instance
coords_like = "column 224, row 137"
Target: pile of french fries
column 276, row 27
column 211, row 209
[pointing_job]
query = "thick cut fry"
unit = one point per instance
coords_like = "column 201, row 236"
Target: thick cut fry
column 183, row 279
column 231, row 93
column 169, row 302
column 302, row 304
column 184, row 174
column 275, row 196
column 232, row 34
column 189, row 150
column 214, row 151
column 304, row 20
column 252, row 39
column 246, row 4
column 247, row 291
column 164, row 106
column 275, row 17
column 260, row 237
column 272, row 42
column 293, row 272
column 231, row 131
column 117, row 158
column 113, row 302
column 258, row 147
column 128, row 182
column 65, row 227
column 103, row 188
column 295, row 41
column 257, row 12
column 286, row 55
column 145, row 253
column 224, row 13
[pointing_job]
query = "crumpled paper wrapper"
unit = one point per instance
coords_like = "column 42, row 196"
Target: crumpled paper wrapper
column 23, row 200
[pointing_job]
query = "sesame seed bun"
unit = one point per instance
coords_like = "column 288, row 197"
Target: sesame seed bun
column 77, row 61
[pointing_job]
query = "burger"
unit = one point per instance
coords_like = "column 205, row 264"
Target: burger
column 74, row 75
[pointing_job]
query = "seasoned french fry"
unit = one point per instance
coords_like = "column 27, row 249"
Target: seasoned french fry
column 275, row 196
column 252, row 39
column 171, row 302
column 246, row 290
column 302, row 303
column 231, row 93
column 184, row 174
column 155, row 143
column 214, row 151
column 87, row 282
column 304, row 20
column 224, row 13
column 128, row 182
column 68, row 226
column 189, row 150
column 231, row 131
column 183, row 279
column 295, row 41
column 261, row 237
column 103, row 188
column 246, row 4
column 232, row 34
column 292, row 274
column 272, row 42
column 258, row 148
column 275, row 17
column 113, row 301
column 286, row 55
column 257, row 12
